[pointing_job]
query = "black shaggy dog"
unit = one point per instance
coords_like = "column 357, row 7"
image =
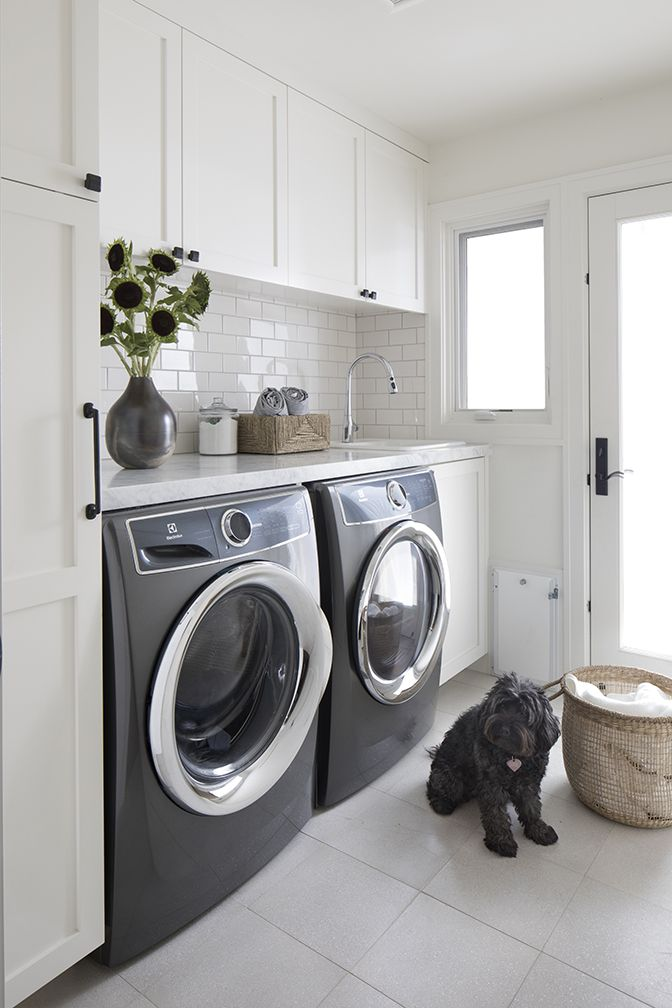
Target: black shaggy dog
column 497, row 752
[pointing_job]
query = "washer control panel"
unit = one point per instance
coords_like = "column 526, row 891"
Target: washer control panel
column 209, row 533
column 388, row 496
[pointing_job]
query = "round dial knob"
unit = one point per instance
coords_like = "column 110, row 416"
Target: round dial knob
column 236, row 527
column 396, row 494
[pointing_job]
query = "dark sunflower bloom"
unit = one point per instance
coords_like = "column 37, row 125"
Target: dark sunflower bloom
column 107, row 320
column 116, row 256
column 128, row 294
column 163, row 262
column 163, row 323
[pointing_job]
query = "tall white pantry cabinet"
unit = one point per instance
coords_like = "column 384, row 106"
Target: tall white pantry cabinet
column 51, row 583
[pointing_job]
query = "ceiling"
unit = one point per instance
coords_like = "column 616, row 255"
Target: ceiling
column 439, row 69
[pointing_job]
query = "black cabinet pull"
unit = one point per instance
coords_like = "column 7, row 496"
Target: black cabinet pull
column 364, row 293
column 178, row 252
column 194, row 255
column 93, row 182
column 91, row 413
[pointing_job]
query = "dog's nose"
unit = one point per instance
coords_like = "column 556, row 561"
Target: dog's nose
column 505, row 731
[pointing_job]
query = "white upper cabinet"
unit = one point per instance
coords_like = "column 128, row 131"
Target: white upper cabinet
column 234, row 125
column 141, row 141
column 326, row 199
column 49, row 101
column 395, row 215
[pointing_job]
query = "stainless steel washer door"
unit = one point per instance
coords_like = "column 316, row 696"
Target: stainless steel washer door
column 237, row 687
column 402, row 612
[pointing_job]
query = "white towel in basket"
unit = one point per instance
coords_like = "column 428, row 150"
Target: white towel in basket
column 646, row 701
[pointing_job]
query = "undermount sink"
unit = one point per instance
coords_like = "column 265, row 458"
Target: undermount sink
column 393, row 444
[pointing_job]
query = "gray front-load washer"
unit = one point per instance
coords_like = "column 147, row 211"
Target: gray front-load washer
column 386, row 592
column 216, row 656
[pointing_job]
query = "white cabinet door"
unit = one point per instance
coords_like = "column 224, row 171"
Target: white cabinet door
column 235, row 164
column 49, row 100
column 395, row 215
column 51, row 590
column 141, row 139
column 462, row 489
column 326, row 199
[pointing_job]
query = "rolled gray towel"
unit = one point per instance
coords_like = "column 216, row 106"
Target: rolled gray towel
column 271, row 402
column 297, row 400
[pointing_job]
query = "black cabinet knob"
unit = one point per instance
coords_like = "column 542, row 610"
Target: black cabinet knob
column 373, row 295
column 178, row 252
column 364, row 293
column 194, row 255
column 93, row 182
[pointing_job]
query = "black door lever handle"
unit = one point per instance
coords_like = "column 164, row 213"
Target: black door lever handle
column 602, row 474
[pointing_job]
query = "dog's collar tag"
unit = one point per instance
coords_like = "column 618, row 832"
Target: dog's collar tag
column 514, row 763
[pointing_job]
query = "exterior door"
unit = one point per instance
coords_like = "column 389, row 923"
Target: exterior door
column 630, row 242
column 402, row 612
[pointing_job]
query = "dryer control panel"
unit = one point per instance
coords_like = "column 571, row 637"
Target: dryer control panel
column 188, row 537
column 390, row 496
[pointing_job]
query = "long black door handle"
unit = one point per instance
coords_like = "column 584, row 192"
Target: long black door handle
column 602, row 474
column 91, row 413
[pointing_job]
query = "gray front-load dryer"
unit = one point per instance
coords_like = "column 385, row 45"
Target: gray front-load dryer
column 385, row 588
column 216, row 657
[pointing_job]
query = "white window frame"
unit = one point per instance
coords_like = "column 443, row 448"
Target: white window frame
column 448, row 223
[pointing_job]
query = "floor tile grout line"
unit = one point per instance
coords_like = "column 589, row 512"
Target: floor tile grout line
column 525, row 978
column 491, row 927
column 591, row 976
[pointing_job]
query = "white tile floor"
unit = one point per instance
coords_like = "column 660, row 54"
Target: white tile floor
column 380, row 903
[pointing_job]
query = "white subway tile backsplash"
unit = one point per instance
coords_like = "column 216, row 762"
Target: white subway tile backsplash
column 245, row 343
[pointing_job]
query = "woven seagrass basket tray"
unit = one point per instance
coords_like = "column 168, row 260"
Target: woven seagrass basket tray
column 619, row 765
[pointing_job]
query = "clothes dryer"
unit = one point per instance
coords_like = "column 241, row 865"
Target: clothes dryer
column 216, row 656
column 385, row 588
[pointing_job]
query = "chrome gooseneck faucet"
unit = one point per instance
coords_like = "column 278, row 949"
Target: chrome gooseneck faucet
column 349, row 425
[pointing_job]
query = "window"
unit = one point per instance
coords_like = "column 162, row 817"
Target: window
column 502, row 342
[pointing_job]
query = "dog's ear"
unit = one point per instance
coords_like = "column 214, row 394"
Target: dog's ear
column 548, row 729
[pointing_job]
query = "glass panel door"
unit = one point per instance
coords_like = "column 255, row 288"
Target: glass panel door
column 631, row 364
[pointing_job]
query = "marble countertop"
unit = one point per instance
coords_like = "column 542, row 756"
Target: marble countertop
column 185, row 477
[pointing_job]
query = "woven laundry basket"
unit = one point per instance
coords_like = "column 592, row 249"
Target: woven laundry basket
column 619, row 765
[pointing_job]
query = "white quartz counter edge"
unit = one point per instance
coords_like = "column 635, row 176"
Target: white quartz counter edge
column 185, row 477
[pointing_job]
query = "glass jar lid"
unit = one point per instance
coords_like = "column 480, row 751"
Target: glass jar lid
column 217, row 408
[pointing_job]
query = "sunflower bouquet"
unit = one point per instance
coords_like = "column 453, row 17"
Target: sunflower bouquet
column 143, row 294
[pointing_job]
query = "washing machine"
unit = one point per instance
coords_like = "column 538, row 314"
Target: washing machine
column 385, row 588
column 216, row 657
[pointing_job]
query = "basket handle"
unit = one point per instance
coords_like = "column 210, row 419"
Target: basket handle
column 549, row 685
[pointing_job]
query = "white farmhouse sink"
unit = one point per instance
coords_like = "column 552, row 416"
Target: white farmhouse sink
column 393, row 444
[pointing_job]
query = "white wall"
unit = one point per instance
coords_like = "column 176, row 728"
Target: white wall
column 597, row 135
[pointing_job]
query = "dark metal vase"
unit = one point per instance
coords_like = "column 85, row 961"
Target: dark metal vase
column 141, row 427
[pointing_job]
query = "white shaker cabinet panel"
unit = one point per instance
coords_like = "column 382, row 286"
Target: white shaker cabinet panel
column 235, row 164
column 51, row 589
column 326, row 199
column 395, row 214
column 49, row 93
column 141, row 126
column 462, row 489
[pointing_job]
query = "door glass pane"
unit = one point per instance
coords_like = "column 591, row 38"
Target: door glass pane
column 236, row 683
column 399, row 610
column 502, row 318
column 645, row 319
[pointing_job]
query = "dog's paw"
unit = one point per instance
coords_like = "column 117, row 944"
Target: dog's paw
column 542, row 833
column 504, row 847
